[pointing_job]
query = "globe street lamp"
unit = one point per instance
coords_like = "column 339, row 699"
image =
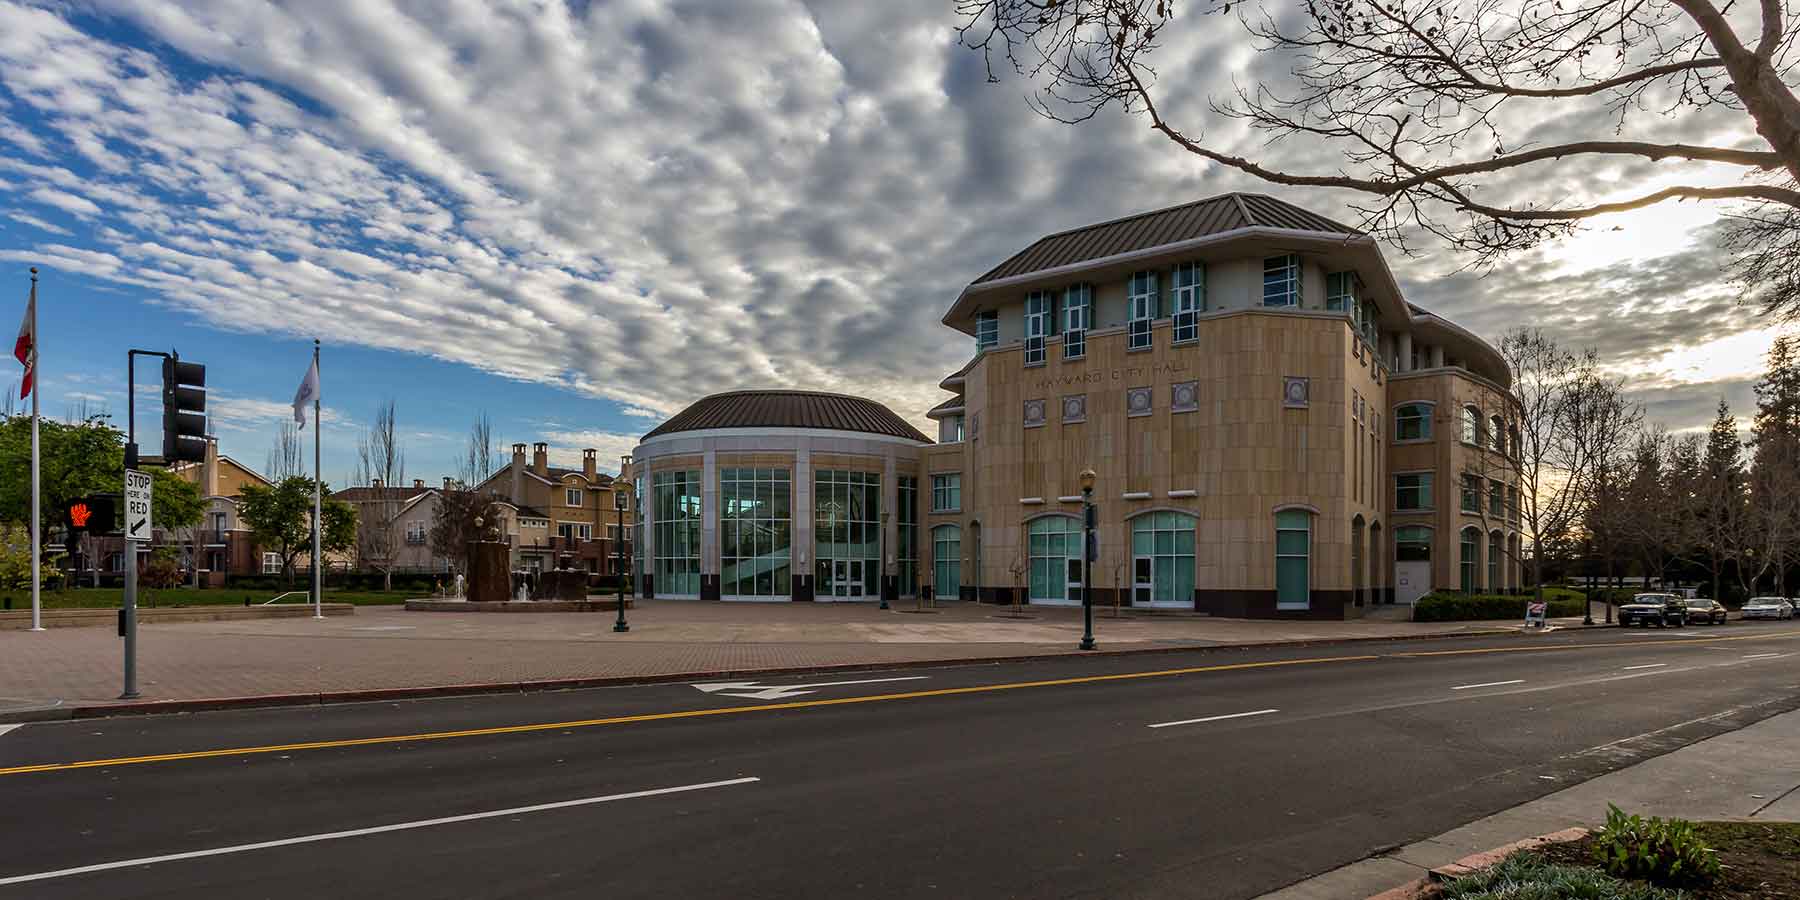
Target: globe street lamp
column 622, row 502
column 1087, row 558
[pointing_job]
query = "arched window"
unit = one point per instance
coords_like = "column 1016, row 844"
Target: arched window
column 1163, row 544
column 1470, row 559
column 946, row 561
column 1412, row 422
column 1471, row 426
column 1053, row 542
column 1497, row 432
column 1293, row 559
column 1496, row 542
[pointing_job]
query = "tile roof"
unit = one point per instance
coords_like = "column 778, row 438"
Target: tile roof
column 789, row 409
column 371, row 494
column 1213, row 215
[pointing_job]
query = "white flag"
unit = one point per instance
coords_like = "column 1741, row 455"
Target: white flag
column 308, row 393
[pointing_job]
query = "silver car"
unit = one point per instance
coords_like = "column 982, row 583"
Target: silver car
column 1768, row 608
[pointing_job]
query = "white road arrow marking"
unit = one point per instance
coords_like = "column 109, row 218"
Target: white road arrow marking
column 781, row 692
column 6, row 728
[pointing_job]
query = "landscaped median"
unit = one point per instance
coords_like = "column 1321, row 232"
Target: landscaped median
column 1447, row 606
column 1631, row 858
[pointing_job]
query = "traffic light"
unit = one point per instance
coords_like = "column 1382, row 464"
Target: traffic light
column 184, row 410
column 95, row 514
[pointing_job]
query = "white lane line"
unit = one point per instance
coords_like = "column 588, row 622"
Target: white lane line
column 361, row 832
column 6, row 728
column 1646, row 666
column 1763, row 655
column 1464, row 687
column 1257, row 712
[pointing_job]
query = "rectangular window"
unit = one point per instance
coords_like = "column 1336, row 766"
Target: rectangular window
column 946, row 492
column 572, row 497
column 271, row 564
column 1078, row 317
column 415, row 532
column 1371, row 322
column 1471, row 493
column 677, row 517
column 1496, row 498
column 987, row 330
column 1190, row 300
column 847, row 535
column 756, row 532
column 907, row 535
column 1037, row 326
column 1293, row 545
column 1141, row 303
column 950, row 430
column 1412, row 492
column 1281, row 280
column 1340, row 293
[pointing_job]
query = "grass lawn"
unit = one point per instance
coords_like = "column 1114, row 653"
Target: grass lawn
column 1756, row 859
column 92, row 598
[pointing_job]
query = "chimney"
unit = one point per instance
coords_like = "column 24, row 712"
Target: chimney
column 209, row 468
column 540, row 459
column 375, row 483
column 590, row 465
column 447, row 483
column 517, row 472
column 418, row 484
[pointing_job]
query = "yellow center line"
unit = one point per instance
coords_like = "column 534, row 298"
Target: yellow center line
column 838, row 701
column 656, row 717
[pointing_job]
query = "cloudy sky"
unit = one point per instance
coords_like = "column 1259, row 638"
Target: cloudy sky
column 579, row 216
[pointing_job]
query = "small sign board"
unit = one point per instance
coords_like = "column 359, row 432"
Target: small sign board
column 137, row 505
column 1534, row 614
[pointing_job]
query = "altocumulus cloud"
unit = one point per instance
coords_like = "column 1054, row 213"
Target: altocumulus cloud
column 639, row 201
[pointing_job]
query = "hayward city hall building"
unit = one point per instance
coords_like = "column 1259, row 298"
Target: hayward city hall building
column 1273, row 432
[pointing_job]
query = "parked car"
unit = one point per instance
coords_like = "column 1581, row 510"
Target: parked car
column 1707, row 612
column 1768, row 608
column 1654, row 609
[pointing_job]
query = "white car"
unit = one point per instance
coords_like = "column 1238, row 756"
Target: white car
column 1768, row 608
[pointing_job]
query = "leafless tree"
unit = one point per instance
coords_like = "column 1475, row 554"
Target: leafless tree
column 287, row 457
column 479, row 452
column 1430, row 105
column 463, row 516
column 1606, row 424
column 1560, row 398
column 380, row 460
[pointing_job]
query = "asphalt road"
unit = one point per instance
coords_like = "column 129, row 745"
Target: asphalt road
column 1206, row 773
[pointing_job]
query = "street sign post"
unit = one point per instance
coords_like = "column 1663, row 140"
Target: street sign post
column 137, row 505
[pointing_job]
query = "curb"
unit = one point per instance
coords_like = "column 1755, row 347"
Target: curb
column 211, row 704
column 1430, row 885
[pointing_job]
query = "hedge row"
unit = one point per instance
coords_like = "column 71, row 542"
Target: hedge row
column 1453, row 607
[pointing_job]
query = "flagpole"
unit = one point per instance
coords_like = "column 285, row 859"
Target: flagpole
column 318, row 523
column 37, row 550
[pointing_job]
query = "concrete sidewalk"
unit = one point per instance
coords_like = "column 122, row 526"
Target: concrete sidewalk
column 388, row 648
column 1751, row 773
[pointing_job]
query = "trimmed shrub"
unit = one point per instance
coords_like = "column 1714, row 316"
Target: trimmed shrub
column 1662, row 851
column 1449, row 606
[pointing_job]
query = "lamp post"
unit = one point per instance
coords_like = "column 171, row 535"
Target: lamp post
column 621, row 502
column 1087, row 558
column 881, row 551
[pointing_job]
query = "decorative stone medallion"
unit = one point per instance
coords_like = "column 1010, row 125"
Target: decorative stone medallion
column 1074, row 408
column 1034, row 413
column 1138, row 402
column 1295, row 391
column 1184, row 396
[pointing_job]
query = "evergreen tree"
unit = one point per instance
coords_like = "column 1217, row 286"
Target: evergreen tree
column 1775, row 479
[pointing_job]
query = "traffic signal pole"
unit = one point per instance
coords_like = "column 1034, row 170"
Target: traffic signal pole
column 183, row 411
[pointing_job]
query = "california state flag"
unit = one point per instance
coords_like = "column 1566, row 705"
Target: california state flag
column 25, row 349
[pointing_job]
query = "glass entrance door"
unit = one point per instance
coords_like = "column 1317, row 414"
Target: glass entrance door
column 1143, row 585
column 1074, row 582
column 847, row 578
